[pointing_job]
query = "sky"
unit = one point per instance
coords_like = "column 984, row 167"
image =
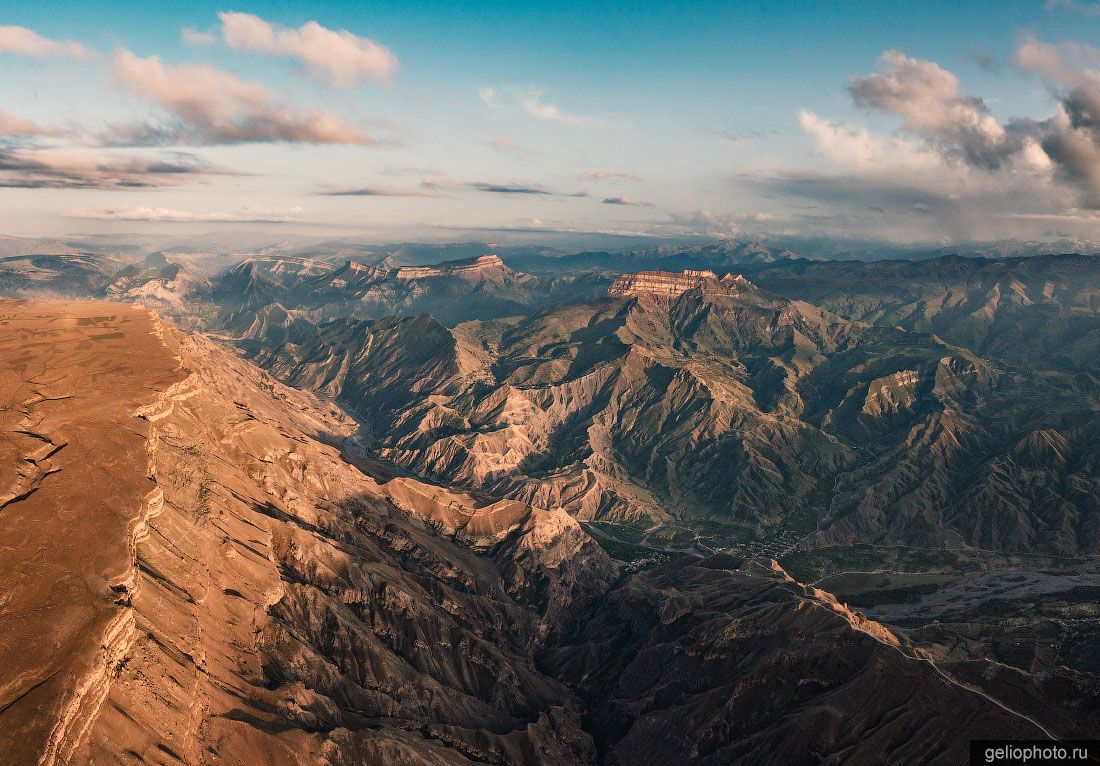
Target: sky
column 912, row 122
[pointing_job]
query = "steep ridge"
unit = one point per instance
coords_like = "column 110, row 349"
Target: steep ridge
column 265, row 601
column 738, row 663
column 72, row 374
column 1041, row 311
column 257, row 559
column 285, row 606
column 685, row 395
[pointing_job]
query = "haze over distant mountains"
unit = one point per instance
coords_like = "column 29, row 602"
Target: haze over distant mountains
column 548, row 384
column 706, row 503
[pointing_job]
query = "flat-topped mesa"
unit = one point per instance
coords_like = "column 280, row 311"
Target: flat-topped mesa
column 465, row 267
column 667, row 284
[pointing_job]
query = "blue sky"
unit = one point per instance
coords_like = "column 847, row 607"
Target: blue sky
column 639, row 118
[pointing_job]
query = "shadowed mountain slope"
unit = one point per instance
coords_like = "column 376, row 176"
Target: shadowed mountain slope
column 688, row 395
column 1042, row 311
column 257, row 598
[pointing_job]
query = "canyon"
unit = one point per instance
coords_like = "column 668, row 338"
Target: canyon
column 285, row 513
column 253, row 595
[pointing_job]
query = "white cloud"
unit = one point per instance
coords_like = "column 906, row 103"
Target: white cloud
column 950, row 162
column 196, row 38
column 210, row 106
column 337, row 56
column 1071, row 139
column 928, row 99
column 1068, row 64
column 167, row 215
column 26, row 42
column 528, row 101
column 856, row 147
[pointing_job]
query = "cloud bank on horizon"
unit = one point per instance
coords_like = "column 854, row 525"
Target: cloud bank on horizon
column 236, row 115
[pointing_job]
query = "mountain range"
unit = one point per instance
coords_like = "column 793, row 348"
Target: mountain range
column 319, row 501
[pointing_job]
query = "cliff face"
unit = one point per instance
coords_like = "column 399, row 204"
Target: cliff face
column 288, row 604
column 72, row 511
column 208, row 581
column 481, row 266
column 691, row 396
column 670, row 285
column 216, row 584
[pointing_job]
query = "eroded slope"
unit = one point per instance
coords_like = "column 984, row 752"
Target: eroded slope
column 75, row 497
column 271, row 603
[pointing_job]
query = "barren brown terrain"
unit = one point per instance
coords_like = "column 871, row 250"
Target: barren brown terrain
column 72, row 375
column 210, row 579
column 549, row 384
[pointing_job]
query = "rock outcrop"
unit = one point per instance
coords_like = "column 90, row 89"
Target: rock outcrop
column 72, row 511
column 478, row 267
column 691, row 396
column 671, row 285
column 208, row 580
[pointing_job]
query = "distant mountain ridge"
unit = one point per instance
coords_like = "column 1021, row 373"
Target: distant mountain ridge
column 1041, row 310
column 555, row 517
column 726, row 402
column 452, row 291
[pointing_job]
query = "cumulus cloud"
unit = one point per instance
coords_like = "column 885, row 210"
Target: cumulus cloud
column 209, row 106
column 928, row 99
column 26, row 42
column 855, row 146
column 950, row 165
column 167, row 215
column 41, row 168
column 529, row 101
column 607, row 176
column 625, row 201
column 1072, row 137
column 337, row 56
column 1066, row 64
